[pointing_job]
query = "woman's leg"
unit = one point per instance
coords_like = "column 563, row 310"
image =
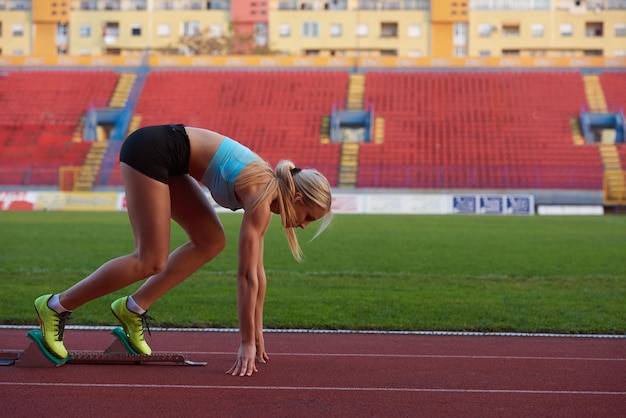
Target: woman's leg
column 148, row 204
column 194, row 213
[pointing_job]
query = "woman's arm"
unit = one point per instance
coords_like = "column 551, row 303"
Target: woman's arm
column 250, row 286
column 261, row 354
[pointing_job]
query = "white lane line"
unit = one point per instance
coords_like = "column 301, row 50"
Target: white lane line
column 310, row 388
column 376, row 355
column 347, row 331
column 417, row 356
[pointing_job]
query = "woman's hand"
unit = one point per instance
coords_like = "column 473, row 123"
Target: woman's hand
column 245, row 363
column 261, row 354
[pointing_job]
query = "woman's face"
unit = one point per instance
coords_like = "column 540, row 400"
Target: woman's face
column 306, row 213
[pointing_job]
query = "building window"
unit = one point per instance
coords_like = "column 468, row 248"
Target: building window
column 135, row 29
column 415, row 53
column 84, row 30
column 416, row 4
column 460, row 51
column 537, row 30
column 510, row 52
column 260, row 33
column 362, row 30
column 414, row 31
column 217, row 5
column 389, row 30
column 191, row 28
column 163, row 30
column 89, row 5
column 511, row 4
column 17, row 30
column 336, row 5
column 310, row 29
column 510, row 30
column 566, row 30
column 594, row 29
column 138, row 4
column 284, row 30
column 112, row 29
column 620, row 30
column 20, row 5
column 336, row 29
column 390, row 5
column 112, row 5
column 287, row 5
column 459, row 34
column 484, row 53
column 367, row 5
column 484, row 30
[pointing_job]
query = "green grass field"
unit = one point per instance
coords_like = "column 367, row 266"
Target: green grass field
column 455, row 273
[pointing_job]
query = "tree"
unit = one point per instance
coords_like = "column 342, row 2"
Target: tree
column 204, row 44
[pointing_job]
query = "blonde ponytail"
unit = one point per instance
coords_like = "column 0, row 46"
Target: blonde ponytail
column 287, row 180
column 315, row 191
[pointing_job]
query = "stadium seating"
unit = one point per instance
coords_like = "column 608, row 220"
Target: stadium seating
column 41, row 110
column 277, row 113
column 443, row 129
column 614, row 87
column 477, row 129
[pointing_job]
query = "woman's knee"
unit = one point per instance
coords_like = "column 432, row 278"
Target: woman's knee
column 211, row 243
column 149, row 266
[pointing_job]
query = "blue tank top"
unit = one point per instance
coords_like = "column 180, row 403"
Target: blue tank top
column 229, row 159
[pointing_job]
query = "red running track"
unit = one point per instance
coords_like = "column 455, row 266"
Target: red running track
column 330, row 375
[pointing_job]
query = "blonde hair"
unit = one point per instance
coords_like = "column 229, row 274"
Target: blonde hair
column 287, row 180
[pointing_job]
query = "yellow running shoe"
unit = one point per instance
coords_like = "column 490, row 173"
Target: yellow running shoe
column 133, row 325
column 52, row 326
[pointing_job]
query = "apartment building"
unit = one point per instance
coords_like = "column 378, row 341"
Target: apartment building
column 403, row 28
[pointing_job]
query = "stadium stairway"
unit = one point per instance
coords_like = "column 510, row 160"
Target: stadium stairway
column 95, row 157
column 90, row 167
column 325, row 130
column 349, row 159
column 122, row 90
column 577, row 135
column 356, row 89
column 379, row 129
column 348, row 164
column 614, row 184
column 594, row 94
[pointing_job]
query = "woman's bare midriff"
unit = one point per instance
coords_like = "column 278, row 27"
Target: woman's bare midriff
column 203, row 145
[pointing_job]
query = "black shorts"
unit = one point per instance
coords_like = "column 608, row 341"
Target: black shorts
column 158, row 152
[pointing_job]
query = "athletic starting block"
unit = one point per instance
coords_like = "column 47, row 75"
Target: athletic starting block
column 119, row 352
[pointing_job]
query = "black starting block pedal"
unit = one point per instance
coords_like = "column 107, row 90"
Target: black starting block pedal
column 119, row 352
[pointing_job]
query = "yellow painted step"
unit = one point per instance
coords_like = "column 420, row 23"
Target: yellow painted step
column 609, row 156
column 379, row 130
column 577, row 136
column 594, row 94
